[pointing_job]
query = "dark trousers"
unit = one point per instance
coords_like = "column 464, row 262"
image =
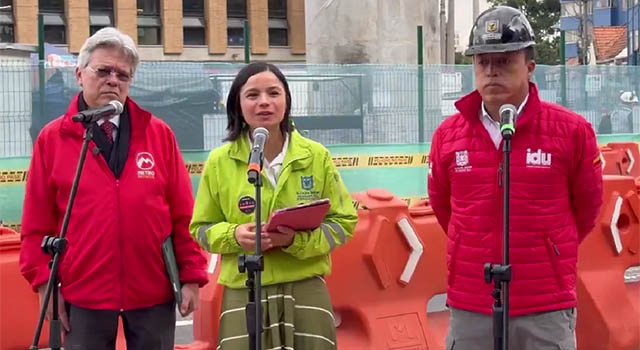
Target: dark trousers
column 144, row 329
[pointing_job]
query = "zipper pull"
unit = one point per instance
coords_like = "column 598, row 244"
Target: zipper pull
column 500, row 174
column 553, row 246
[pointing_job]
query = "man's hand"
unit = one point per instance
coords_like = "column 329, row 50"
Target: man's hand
column 190, row 302
column 62, row 311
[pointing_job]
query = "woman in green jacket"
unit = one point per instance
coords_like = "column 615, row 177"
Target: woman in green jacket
column 297, row 312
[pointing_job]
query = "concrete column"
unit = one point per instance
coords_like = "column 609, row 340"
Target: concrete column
column 367, row 31
column 451, row 32
column 25, row 20
column 77, row 16
column 258, row 26
column 215, row 14
column 443, row 32
column 431, row 30
column 172, row 34
column 295, row 17
column 126, row 17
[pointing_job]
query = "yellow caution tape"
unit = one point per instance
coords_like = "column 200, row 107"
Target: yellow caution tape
column 13, row 176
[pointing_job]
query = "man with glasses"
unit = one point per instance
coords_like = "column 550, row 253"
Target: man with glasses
column 134, row 192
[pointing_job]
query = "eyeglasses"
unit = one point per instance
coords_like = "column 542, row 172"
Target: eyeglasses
column 107, row 71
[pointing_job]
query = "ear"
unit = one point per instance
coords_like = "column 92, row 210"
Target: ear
column 531, row 67
column 79, row 76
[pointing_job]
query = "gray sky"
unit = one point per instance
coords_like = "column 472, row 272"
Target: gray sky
column 464, row 18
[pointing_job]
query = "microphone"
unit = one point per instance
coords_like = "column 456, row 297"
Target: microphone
column 507, row 121
column 260, row 136
column 92, row 115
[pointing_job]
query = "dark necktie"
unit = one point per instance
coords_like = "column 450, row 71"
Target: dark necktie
column 108, row 128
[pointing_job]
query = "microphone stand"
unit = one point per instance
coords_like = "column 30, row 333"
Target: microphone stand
column 501, row 274
column 55, row 246
column 254, row 265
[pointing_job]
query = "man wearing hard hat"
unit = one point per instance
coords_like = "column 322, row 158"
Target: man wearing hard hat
column 622, row 116
column 555, row 186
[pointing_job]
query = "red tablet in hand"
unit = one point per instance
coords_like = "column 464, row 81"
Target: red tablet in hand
column 300, row 217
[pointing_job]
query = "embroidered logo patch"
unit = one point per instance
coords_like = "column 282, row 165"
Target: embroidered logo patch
column 306, row 182
column 462, row 161
column 247, row 204
column 145, row 163
column 538, row 159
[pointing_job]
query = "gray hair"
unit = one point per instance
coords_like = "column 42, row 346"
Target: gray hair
column 109, row 37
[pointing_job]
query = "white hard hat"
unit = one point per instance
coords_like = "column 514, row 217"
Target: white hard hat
column 628, row 97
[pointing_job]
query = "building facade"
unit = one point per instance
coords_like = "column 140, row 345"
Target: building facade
column 184, row 30
column 609, row 28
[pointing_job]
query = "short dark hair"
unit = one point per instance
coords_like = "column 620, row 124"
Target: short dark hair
column 529, row 53
column 235, row 119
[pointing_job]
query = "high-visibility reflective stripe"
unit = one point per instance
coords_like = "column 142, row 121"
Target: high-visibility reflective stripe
column 202, row 235
column 339, row 231
column 328, row 236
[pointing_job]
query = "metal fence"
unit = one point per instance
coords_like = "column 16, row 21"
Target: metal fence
column 333, row 104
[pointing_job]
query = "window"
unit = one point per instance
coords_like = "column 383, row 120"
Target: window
column 94, row 29
column 51, row 6
column 606, row 3
column 149, row 35
column 149, row 24
column 194, row 36
column 193, row 23
column 191, row 8
column 6, row 22
column 235, row 36
column 54, row 34
column 569, row 9
column 278, row 28
column 571, row 36
column 278, row 37
column 101, row 5
column 237, row 8
column 54, row 28
column 100, row 15
column 54, row 22
column 5, row 6
column 278, row 9
column 148, row 8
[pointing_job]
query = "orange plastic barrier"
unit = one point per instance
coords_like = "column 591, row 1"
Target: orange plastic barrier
column 382, row 279
column 19, row 305
column 205, row 319
column 381, row 303
column 621, row 158
column 609, row 308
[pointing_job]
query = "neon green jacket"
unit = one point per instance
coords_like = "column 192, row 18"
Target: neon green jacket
column 308, row 174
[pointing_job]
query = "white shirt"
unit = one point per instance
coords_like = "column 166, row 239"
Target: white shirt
column 116, row 121
column 273, row 169
column 493, row 126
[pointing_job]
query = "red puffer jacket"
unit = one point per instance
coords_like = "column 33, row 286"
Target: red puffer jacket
column 113, row 258
column 556, row 193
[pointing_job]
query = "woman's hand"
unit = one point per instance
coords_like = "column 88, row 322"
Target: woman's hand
column 281, row 238
column 246, row 237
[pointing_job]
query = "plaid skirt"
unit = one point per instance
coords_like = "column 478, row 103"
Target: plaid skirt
column 296, row 315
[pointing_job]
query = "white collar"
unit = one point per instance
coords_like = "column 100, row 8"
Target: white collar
column 279, row 159
column 485, row 114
